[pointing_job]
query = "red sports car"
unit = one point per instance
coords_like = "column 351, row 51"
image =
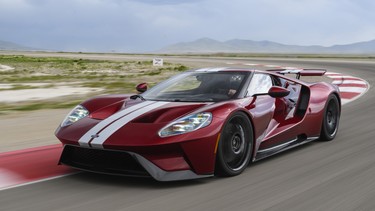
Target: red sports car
column 200, row 123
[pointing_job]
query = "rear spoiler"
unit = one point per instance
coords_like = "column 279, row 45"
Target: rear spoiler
column 300, row 72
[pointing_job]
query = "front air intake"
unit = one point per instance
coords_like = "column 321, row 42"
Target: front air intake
column 102, row 161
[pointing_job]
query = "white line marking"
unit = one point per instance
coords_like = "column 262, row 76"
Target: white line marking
column 344, row 77
column 353, row 89
column 338, row 82
column 37, row 181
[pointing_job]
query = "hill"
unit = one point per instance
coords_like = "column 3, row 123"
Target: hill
column 4, row 45
column 207, row 45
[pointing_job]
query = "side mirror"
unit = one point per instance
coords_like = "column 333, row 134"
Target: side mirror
column 278, row 91
column 142, row 87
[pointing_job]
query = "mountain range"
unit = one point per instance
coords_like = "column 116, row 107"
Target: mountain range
column 4, row 45
column 207, row 45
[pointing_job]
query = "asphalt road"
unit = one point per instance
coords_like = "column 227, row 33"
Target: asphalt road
column 337, row 175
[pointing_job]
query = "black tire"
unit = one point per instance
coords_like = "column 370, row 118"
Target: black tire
column 331, row 119
column 235, row 146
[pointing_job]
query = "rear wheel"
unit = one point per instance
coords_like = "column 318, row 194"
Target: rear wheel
column 235, row 146
column 331, row 119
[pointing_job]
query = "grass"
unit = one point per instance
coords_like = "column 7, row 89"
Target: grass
column 111, row 76
column 32, row 106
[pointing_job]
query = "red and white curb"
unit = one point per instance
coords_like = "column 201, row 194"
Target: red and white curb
column 351, row 88
column 22, row 167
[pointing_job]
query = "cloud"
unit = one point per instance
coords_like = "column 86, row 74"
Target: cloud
column 145, row 25
column 167, row 2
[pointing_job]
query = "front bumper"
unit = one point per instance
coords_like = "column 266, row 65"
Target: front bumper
column 118, row 162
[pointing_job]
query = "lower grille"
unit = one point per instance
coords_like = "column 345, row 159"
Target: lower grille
column 102, row 161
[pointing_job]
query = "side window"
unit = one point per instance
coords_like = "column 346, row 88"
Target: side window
column 260, row 83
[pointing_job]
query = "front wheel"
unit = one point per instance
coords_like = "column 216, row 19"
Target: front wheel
column 235, row 146
column 331, row 119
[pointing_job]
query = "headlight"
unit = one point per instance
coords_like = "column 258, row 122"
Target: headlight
column 186, row 124
column 76, row 114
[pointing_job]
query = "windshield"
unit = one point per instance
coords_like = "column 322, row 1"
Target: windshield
column 198, row 87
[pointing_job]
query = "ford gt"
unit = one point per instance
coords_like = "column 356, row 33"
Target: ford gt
column 200, row 123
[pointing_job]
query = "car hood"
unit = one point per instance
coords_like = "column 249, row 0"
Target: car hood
column 135, row 123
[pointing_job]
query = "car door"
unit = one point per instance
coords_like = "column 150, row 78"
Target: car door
column 280, row 129
column 264, row 105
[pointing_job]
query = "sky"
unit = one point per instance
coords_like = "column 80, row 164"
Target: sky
column 148, row 25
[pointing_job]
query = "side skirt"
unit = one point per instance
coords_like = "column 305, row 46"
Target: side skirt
column 261, row 154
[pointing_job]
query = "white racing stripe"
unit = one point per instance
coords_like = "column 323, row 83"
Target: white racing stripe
column 108, row 131
column 84, row 140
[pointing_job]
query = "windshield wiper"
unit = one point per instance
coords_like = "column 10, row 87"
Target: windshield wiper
column 133, row 97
